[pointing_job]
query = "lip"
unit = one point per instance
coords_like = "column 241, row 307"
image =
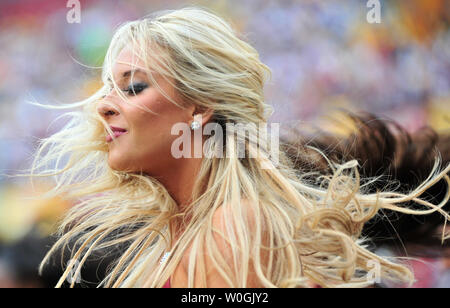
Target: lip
column 117, row 132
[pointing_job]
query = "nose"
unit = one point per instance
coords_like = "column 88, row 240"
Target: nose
column 106, row 109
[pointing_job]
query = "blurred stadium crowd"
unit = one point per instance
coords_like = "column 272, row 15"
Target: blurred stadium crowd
column 323, row 54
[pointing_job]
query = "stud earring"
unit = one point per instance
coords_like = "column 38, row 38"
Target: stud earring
column 195, row 125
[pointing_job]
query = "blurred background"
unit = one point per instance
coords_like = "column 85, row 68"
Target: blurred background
column 323, row 54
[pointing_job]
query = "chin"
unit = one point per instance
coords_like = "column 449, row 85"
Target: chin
column 115, row 166
column 116, row 162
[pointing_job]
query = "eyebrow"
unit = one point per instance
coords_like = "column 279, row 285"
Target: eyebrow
column 128, row 74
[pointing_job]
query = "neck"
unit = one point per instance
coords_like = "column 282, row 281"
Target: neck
column 179, row 180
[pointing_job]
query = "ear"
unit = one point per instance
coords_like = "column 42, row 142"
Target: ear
column 203, row 115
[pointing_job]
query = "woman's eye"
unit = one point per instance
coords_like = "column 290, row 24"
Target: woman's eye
column 135, row 89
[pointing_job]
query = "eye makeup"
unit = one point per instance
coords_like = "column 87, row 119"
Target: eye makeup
column 135, row 88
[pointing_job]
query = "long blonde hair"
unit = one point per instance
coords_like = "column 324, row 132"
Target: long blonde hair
column 313, row 230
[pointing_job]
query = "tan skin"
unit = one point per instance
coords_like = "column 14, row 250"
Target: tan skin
column 146, row 146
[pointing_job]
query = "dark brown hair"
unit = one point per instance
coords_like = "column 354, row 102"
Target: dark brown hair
column 382, row 148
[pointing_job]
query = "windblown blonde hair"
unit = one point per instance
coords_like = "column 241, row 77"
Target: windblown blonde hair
column 312, row 230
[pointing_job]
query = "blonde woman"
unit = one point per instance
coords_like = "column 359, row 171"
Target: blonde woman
column 214, row 220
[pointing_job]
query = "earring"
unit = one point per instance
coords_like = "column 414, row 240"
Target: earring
column 195, row 125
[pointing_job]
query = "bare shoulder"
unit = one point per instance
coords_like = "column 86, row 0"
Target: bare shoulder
column 223, row 245
column 249, row 210
column 220, row 230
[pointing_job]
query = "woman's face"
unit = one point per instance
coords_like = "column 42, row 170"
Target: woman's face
column 146, row 144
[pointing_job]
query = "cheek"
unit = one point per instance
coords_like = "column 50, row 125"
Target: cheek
column 163, row 111
column 157, row 123
column 152, row 131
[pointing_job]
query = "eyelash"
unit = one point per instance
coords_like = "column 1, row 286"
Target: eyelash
column 135, row 89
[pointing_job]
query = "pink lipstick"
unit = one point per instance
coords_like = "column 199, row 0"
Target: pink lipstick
column 117, row 132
